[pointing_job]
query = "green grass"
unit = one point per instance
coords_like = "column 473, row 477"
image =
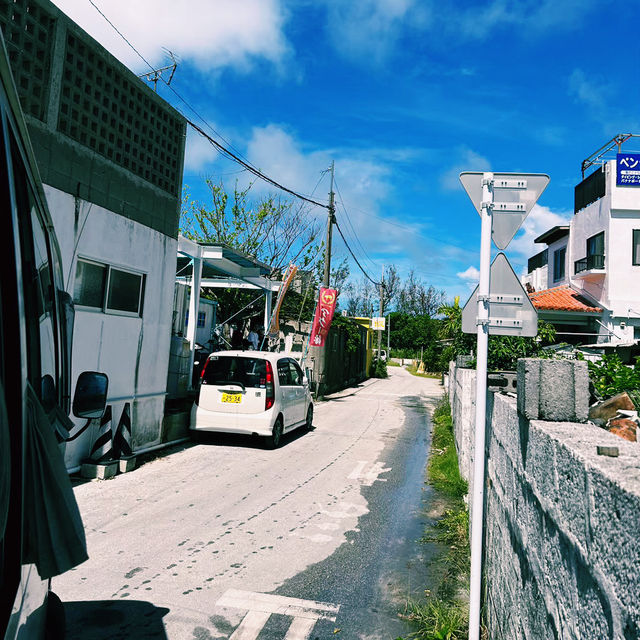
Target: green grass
column 393, row 363
column 437, row 620
column 442, row 470
column 442, row 614
column 414, row 371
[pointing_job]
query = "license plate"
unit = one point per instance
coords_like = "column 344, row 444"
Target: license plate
column 232, row 397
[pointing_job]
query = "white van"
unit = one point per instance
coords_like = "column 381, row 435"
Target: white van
column 254, row 393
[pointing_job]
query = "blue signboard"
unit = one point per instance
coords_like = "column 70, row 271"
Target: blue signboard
column 628, row 170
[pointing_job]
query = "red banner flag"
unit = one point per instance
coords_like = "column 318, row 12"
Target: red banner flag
column 324, row 316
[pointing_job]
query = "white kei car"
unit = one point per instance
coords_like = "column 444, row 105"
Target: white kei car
column 254, row 393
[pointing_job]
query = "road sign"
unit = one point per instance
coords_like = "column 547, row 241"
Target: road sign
column 514, row 195
column 628, row 170
column 378, row 324
column 511, row 312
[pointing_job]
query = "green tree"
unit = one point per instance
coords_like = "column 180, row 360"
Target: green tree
column 504, row 351
column 455, row 342
column 610, row 376
column 269, row 229
column 415, row 297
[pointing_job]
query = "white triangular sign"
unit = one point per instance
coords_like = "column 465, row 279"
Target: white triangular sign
column 514, row 195
column 511, row 312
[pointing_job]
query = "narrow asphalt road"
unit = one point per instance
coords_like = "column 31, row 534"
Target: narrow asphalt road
column 226, row 539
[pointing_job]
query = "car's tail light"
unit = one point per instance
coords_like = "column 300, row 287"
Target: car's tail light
column 270, row 396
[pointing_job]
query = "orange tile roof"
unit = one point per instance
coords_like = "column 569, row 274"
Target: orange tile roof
column 562, row 298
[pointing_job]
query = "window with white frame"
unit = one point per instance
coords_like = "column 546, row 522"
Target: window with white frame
column 635, row 247
column 111, row 289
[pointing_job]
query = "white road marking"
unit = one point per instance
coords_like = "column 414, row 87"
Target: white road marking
column 251, row 626
column 300, row 629
column 369, row 477
column 260, row 606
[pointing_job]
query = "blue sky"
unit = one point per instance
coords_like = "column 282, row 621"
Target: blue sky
column 402, row 95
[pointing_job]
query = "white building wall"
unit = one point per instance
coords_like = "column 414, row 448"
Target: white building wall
column 132, row 351
column 618, row 291
column 586, row 223
column 538, row 278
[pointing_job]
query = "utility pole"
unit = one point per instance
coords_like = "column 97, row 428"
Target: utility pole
column 330, row 220
column 388, row 337
column 322, row 358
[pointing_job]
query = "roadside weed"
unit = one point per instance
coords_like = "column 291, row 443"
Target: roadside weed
column 444, row 615
column 436, row 619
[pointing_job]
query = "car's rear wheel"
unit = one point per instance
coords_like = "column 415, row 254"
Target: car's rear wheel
column 309, row 423
column 273, row 441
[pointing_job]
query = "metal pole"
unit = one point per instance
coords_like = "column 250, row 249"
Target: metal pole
column 388, row 337
column 194, row 306
column 477, row 510
column 381, row 311
column 322, row 359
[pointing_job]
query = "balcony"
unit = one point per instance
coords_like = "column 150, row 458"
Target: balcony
column 590, row 268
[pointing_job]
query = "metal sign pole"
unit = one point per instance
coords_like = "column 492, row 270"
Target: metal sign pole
column 477, row 512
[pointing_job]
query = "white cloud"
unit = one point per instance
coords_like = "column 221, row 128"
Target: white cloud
column 540, row 219
column 212, row 35
column 199, row 153
column 531, row 17
column 587, row 90
column 467, row 160
column 471, row 276
column 363, row 188
column 370, row 29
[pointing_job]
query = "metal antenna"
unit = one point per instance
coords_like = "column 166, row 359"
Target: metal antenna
column 156, row 74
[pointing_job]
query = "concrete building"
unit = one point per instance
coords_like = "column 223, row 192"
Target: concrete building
column 110, row 153
column 590, row 269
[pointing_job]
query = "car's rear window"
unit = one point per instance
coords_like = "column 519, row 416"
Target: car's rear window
column 251, row 372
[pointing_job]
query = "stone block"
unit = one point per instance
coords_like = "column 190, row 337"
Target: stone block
column 99, row 470
column 127, row 464
column 554, row 390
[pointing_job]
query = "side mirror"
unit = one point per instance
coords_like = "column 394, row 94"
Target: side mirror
column 90, row 397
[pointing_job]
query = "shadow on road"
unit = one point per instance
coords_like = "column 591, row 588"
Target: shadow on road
column 213, row 438
column 114, row 619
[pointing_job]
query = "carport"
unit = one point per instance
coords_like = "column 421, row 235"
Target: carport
column 217, row 265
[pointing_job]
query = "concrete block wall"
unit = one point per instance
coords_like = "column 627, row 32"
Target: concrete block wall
column 562, row 557
column 462, row 391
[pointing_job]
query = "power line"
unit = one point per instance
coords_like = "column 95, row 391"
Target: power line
column 353, row 230
column 236, row 157
column 113, row 26
column 220, row 148
column 366, row 275
column 251, row 169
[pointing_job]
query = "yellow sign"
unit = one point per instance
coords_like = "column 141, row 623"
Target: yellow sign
column 378, row 324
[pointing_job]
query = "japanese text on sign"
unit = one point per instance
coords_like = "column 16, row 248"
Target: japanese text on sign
column 628, row 170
